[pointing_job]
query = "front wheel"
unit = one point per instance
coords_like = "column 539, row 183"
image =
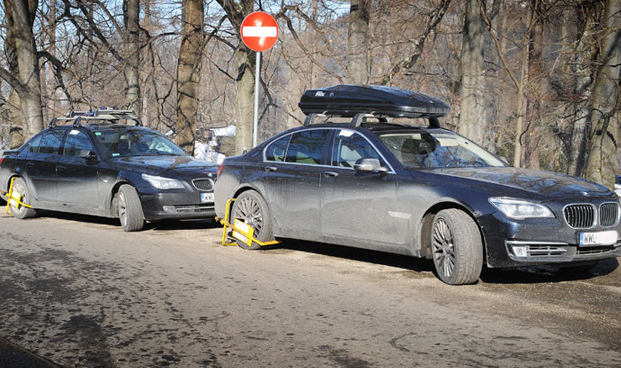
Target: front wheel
column 129, row 208
column 252, row 209
column 20, row 190
column 457, row 247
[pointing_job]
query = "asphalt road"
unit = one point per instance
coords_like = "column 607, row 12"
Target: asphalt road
column 82, row 293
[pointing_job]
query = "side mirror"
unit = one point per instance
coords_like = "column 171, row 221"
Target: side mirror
column 90, row 156
column 370, row 165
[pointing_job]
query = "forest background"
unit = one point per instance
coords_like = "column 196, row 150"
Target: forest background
column 535, row 81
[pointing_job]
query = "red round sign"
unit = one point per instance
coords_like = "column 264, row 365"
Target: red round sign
column 259, row 31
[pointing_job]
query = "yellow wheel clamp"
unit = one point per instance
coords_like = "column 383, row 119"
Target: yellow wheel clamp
column 14, row 199
column 239, row 230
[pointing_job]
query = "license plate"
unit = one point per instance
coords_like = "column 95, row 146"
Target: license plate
column 598, row 238
column 207, row 197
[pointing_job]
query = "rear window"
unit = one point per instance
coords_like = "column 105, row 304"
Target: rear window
column 276, row 150
column 49, row 143
column 306, row 147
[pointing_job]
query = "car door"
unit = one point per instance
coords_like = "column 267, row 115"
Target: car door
column 358, row 207
column 40, row 167
column 77, row 176
column 292, row 186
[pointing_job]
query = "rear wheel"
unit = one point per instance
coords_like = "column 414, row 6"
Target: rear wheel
column 457, row 248
column 129, row 208
column 20, row 190
column 252, row 209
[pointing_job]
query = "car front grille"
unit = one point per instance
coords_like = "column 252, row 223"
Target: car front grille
column 608, row 214
column 189, row 209
column 533, row 251
column 580, row 216
column 584, row 216
column 545, row 250
column 595, row 250
column 203, row 184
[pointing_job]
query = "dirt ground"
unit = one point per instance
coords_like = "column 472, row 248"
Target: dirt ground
column 82, row 293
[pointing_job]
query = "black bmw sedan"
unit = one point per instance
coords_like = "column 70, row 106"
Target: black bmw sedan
column 414, row 189
column 100, row 165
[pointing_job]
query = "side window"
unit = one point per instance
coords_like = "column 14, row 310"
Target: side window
column 77, row 144
column 306, row 147
column 33, row 145
column 50, row 142
column 276, row 150
column 349, row 147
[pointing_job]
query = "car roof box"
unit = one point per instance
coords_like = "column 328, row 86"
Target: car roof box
column 347, row 100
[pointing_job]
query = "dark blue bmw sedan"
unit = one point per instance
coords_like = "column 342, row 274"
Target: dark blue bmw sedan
column 391, row 179
column 99, row 165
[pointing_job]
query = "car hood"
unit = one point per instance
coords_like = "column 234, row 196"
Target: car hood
column 163, row 164
column 548, row 184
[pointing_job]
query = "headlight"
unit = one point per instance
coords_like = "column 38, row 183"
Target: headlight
column 163, row 183
column 519, row 209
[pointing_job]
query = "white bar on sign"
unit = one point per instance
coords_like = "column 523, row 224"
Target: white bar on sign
column 259, row 31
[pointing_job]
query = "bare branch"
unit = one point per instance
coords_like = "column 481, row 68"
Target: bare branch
column 434, row 18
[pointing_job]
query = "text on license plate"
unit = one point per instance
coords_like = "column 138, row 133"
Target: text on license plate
column 598, row 238
column 206, row 197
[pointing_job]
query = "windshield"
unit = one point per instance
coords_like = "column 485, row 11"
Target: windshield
column 437, row 149
column 135, row 142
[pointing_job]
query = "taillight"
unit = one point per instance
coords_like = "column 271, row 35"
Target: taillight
column 218, row 174
column 1, row 159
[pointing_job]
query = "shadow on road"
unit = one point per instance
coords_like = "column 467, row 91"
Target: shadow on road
column 523, row 275
column 114, row 223
column 544, row 274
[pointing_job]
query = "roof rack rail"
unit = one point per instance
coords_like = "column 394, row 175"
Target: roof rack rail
column 361, row 117
column 108, row 114
column 355, row 121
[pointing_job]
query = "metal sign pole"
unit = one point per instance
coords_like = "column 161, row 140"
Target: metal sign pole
column 257, row 79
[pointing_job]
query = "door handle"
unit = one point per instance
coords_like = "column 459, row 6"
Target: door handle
column 271, row 168
column 61, row 168
column 330, row 174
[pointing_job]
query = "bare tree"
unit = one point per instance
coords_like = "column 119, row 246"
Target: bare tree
column 520, row 82
column 604, row 117
column 188, row 73
column 472, row 121
column 236, row 11
column 20, row 16
column 407, row 62
column 357, row 45
column 131, row 16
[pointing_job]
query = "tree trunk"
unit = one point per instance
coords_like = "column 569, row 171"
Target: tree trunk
column 520, row 108
column 604, row 135
column 23, row 13
column 472, row 122
column 246, row 63
column 357, row 42
column 535, row 98
column 188, row 73
column 581, row 79
column 133, row 100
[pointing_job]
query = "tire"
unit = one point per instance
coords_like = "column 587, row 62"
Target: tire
column 19, row 211
column 129, row 208
column 252, row 209
column 456, row 247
